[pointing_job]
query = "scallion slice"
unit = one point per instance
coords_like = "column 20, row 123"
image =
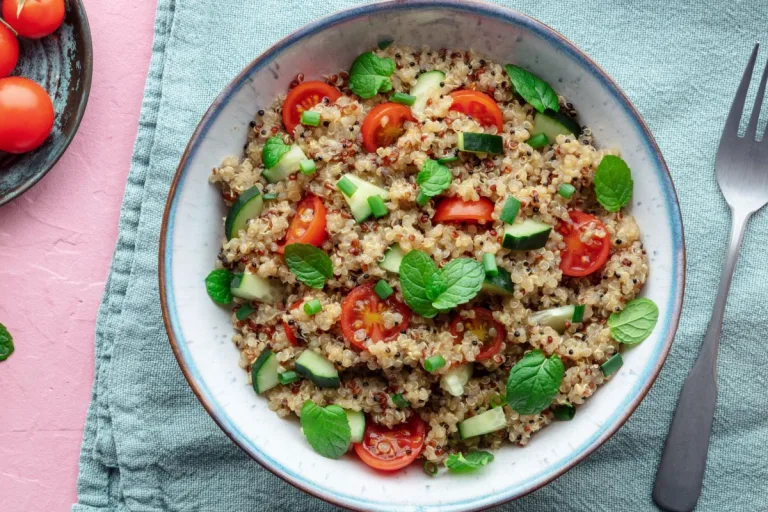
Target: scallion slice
column 400, row 402
column 383, row 290
column 346, row 186
column 307, row 167
column 378, row 207
column 309, row 118
column 489, row 263
column 510, row 210
column 430, row 468
column 447, row 159
column 538, row 141
column 612, row 365
column 404, row 99
column 564, row 412
column 313, row 307
column 434, row 363
column 566, row 190
column 288, row 377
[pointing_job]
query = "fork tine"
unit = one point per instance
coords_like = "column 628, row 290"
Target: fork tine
column 755, row 116
column 737, row 107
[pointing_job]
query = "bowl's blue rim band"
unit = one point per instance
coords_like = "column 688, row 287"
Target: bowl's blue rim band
column 671, row 204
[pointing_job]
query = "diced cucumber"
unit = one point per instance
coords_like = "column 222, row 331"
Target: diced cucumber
column 500, row 284
column 356, row 425
column 427, row 86
column 318, row 369
column 556, row 318
column 247, row 206
column 480, row 143
column 358, row 203
column 525, row 236
column 287, row 165
column 454, row 380
column 264, row 372
column 393, row 256
column 252, row 287
column 485, row 423
column 552, row 124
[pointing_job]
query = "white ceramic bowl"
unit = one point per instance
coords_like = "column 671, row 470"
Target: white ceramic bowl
column 200, row 332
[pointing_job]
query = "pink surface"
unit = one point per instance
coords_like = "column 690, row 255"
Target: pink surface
column 56, row 242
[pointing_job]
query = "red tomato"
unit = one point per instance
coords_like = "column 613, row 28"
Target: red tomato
column 453, row 209
column 26, row 115
column 303, row 97
column 38, row 18
column 480, row 326
column 308, row 226
column 363, row 310
column 289, row 332
column 480, row 106
column 392, row 449
column 384, row 125
column 9, row 51
column 581, row 258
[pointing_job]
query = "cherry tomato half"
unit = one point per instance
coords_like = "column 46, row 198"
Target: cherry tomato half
column 384, row 125
column 363, row 310
column 303, row 97
column 289, row 332
column 9, row 51
column 392, row 449
column 38, row 18
column 26, row 115
column 308, row 226
column 480, row 106
column 487, row 329
column 580, row 258
column 454, row 209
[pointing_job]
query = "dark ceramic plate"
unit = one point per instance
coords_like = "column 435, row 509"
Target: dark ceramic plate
column 63, row 64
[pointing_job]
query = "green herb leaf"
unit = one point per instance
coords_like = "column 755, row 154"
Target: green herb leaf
column 533, row 89
column 416, row 270
column 534, row 382
column 435, row 286
column 459, row 463
column 217, row 284
column 635, row 322
column 370, row 75
column 462, row 279
column 6, row 343
column 434, row 178
column 309, row 264
column 273, row 151
column 613, row 183
column 326, row 429
column 244, row 312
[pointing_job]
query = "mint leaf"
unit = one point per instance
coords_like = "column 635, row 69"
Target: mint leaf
column 370, row 75
column 613, row 183
column 273, row 151
column 434, row 178
column 533, row 89
column 435, row 286
column 6, row 343
column 326, row 429
column 462, row 279
column 635, row 322
column 459, row 463
column 218, row 284
column 309, row 264
column 244, row 312
column 534, row 382
column 416, row 270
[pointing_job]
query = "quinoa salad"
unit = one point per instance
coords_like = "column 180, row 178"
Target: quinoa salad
column 426, row 258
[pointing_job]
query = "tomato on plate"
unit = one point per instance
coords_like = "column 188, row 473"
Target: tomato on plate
column 9, row 51
column 384, row 125
column 289, row 332
column 480, row 106
column 303, row 97
column 363, row 310
column 581, row 258
column 26, row 115
column 454, row 209
column 308, row 226
column 38, row 18
column 488, row 330
column 392, row 449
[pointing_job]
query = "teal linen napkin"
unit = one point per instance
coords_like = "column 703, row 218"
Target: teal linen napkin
column 150, row 446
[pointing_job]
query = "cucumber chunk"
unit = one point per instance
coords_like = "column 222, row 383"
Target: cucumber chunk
column 552, row 124
column 525, row 236
column 248, row 206
column 500, row 284
column 287, row 165
column 427, row 86
column 556, row 318
column 318, row 369
column 358, row 203
column 454, row 380
column 252, row 287
column 356, row 425
column 480, row 143
column 393, row 256
column 264, row 372
column 485, row 423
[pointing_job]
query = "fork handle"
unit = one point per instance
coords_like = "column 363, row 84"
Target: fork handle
column 681, row 471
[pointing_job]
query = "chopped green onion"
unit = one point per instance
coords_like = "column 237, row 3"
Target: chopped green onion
column 307, row 167
column 347, row 187
column 612, row 365
column 538, row 141
column 405, row 99
column 378, row 207
column 434, row 363
column 383, row 290
column 510, row 210
column 430, row 468
column 270, row 196
column 244, row 311
column 489, row 263
column 386, row 43
column 288, row 377
column 309, row 118
column 566, row 190
column 578, row 314
column 564, row 412
column 422, row 198
column 400, row 402
column 313, row 307
column 498, row 400
column 447, row 159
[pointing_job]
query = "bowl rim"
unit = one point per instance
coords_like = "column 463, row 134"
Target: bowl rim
column 79, row 113
column 466, row 6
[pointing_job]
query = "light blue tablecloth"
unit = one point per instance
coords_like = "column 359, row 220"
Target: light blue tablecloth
column 150, row 446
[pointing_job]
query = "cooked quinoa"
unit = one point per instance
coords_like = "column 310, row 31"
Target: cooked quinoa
column 371, row 377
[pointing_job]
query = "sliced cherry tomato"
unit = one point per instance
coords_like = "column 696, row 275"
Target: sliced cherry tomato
column 308, row 226
column 26, row 115
column 384, row 125
column 363, row 310
column 480, row 106
column 453, row 209
column 289, row 332
column 392, row 449
column 38, row 18
column 303, row 97
column 580, row 258
column 9, row 51
column 489, row 331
